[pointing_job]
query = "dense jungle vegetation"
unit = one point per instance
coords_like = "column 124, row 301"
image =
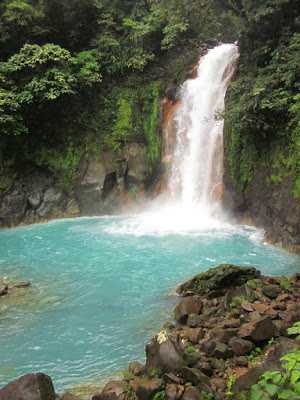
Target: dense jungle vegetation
column 75, row 75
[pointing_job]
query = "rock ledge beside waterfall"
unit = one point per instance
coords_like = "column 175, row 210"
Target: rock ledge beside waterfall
column 231, row 326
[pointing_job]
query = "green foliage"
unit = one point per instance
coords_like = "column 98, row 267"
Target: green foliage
column 251, row 284
column 262, row 113
column 230, row 383
column 130, row 393
column 254, row 353
column 271, row 341
column 206, row 396
column 154, row 374
column 294, row 330
column 237, row 301
column 280, row 385
column 160, row 395
column 190, row 349
column 287, row 284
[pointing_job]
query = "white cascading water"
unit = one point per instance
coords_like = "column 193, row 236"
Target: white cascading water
column 197, row 161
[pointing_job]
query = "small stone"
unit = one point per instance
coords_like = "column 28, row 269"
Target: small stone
column 22, row 284
column 105, row 396
column 173, row 391
column 172, row 378
column 136, row 368
column 279, row 305
column 194, row 335
column 207, row 347
column 221, row 351
column 194, row 321
column 230, row 323
column 169, row 326
column 205, row 367
column 194, row 376
column 270, row 291
column 70, row 396
column 3, row 289
column 254, row 315
column 241, row 347
column 218, row 364
column 191, row 393
column 282, row 297
column 260, row 307
column 247, row 306
column 219, row 384
column 241, row 361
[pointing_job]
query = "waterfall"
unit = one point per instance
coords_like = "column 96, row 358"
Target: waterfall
column 191, row 205
column 196, row 173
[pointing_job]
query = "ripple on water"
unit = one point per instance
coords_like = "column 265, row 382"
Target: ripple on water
column 100, row 288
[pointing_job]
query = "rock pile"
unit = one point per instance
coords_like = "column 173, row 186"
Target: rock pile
column 231, row 321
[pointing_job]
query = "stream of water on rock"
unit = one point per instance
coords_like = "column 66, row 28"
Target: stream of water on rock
column 101, row 286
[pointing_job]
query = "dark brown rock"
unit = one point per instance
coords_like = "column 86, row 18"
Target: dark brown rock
column 105, row 396
column 194, row 376
column 291, row 318
column 230, row 323
column 194, row 320
column 136, row 368
column 29, row 387
column 246, row 380
column 189, row 305
column 270, row 360
column 241, row 361
column 172, row 378
column 241, row 347
column 258, row 330
column 194, row 335
column 222, row 335
column 145, row 389
column 205, row 367
column 218, row 384
column 221, row 351
column 191, row 393
column 207, row 347
column 218, row 364
column 117, row 387
column 270, row 291
column 3, row 289
column 173, row 391
column 164, row 354
column 70, row 396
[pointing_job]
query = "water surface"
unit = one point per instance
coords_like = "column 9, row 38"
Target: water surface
column 101, row 288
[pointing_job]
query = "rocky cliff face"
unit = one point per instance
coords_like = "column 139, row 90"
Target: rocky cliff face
column 270, row 206
column 105, row 183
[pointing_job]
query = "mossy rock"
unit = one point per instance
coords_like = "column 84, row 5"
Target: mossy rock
column 221, row 277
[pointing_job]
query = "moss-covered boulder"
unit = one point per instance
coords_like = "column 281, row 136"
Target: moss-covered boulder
column 221, row 277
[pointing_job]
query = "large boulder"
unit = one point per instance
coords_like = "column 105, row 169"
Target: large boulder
column 145, row 389
column 164, row 354
column 29, row 387
column 189, row 305
column 258, row 329
column 224, row 276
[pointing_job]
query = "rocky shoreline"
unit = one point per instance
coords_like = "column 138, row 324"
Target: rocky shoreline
column 231, row 326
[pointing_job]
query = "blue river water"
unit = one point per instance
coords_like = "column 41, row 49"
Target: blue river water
column 102, row 287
